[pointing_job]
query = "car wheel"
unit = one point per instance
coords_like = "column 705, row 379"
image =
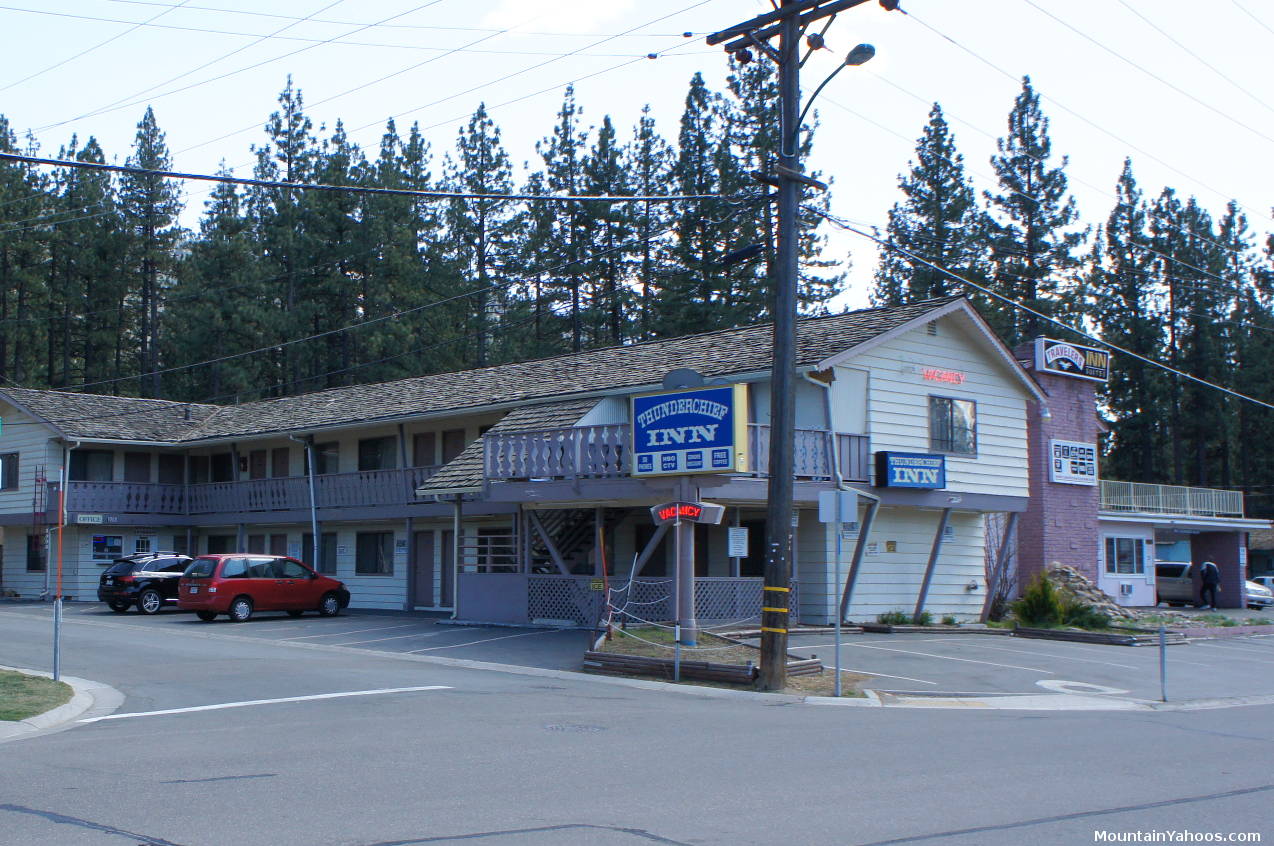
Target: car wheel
column 119, row 606
column 207, row 616
column 330, row 605
column 295, row 613
column 240, row 609
column 149, row 601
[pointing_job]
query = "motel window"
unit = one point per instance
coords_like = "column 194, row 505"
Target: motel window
column 374, row 554
column 172, row 469
column 453, row 443
column 36, row 558
column 200, row 471
column 423, row 451
column 107, row 547
column 137, row 467
column 953, row 425
column 92, row 465
column 9, row 471
column 280, row 462
column 378, row 453
column 327, row 458
column 222, row 467
column 219, row 544
column 1125, row 556
column 327, row 551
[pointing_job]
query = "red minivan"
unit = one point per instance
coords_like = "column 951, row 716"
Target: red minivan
column 236, row 584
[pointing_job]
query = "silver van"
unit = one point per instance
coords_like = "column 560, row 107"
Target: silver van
column 1174, row 583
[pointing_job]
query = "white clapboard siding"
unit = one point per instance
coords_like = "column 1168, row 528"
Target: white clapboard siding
column 32, row 440
column 898, row 403
column 890, row 581
column 382, row 591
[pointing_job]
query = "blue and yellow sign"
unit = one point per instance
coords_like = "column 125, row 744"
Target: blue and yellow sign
column 910, row 470
column 697, row 430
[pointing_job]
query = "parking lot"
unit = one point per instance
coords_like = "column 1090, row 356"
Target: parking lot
column 382, row 631
column 982, row 664
column 912, row 664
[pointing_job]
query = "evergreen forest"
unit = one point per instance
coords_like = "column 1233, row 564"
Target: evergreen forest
column 281, row 291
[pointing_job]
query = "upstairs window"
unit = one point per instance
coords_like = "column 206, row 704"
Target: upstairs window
column 8, row 471
column 92, row 465
column 378, row 453
column 953, row 425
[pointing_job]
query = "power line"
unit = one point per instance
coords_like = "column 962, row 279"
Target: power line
column 394, row 26
column 357, row 189
column 1253, row 16
column 1259, row 100
column 1081, row 332
column 339, row 40
column 1121, row 57
column 88, row 50
column 1072, row 112
column 120, row 104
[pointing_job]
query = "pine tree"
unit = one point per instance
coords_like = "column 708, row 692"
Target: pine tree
column 607, row 228
column 1125, row 311
column 1032, row 240
column 938, row 220
column 481, row 232
column 149, row 206
column 647, row 160
column 24, row 201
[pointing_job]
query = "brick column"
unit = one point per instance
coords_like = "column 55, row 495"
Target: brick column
column 1221, row 548
column 1060, row 522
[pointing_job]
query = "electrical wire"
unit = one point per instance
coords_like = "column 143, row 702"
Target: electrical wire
column 1013, row 303
column 359, row 189
column 88, row 50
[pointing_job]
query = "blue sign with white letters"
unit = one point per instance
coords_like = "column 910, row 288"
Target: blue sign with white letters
column 910, row 470
column 698, row 430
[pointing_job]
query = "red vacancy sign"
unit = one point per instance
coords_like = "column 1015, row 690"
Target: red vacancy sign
column 691, row 512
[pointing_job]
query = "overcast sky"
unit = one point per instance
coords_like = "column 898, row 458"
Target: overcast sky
column 1181, row 87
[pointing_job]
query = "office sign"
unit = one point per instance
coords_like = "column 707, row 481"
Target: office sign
column 911, row 470
column 687, row 512
column 1072, row 462
column 697, row 430
column 90, row 519
column 1068, row 359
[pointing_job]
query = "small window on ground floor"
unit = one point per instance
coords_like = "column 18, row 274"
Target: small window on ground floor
column 107, row 547
column 327, row 551
column 1125, row 556
column 36, row 558
column 374, row 554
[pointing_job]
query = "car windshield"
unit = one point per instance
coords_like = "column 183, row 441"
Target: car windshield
column 201, row 568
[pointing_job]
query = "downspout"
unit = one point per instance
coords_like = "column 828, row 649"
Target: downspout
column 860, row 544
column 308, row 444
column 456, row 546
column 64, row 476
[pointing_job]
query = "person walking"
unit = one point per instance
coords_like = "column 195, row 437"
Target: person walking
column 1210, row 580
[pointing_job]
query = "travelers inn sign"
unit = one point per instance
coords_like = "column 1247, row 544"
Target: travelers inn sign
column 1072, row 360
column 696, row 430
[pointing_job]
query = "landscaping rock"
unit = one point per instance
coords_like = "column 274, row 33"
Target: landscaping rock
column 1073, row 581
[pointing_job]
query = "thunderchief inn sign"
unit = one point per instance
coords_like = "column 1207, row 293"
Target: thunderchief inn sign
column 698, row 430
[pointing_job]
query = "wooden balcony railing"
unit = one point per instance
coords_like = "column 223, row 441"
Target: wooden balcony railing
column 601, row 452
column 334, row 490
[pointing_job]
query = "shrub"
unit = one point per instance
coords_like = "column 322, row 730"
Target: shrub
column 894, row 618
column 924, row 618
column 1040, row 605
column 949, row 620
column 1082, row 615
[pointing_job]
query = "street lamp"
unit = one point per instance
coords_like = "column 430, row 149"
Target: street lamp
column 860, row 55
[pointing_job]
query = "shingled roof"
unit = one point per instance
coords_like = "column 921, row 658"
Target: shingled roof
column 714, row 354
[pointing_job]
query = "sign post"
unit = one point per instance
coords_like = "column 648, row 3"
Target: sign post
column 832, row 506
column 683, row 516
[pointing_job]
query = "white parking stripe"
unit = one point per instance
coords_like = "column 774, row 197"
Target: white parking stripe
column 951, row 658
column 1049, row 655
column 350, row 632
column 867, row 672
column 485, row 640
column 250, row 702
column 391, row 637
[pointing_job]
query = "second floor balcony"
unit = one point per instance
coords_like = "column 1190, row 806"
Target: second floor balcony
column 603, row 452
column 331, row 490
column 1144, row 498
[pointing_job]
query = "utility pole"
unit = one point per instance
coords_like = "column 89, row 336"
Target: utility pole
column 788, row 22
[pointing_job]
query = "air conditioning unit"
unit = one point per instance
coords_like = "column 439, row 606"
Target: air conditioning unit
column 1125, row 588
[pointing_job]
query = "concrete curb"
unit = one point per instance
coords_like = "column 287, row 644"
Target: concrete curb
column 88, row 697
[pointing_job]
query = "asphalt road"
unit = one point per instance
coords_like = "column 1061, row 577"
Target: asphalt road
column 513, row 760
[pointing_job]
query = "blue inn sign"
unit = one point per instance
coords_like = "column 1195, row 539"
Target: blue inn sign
column 911, row 470
column 697, row 430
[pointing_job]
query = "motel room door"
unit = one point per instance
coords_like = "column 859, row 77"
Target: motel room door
column 423, row 596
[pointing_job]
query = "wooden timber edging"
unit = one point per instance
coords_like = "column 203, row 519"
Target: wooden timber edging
column 612, row 663
column 1172, row 638
column 889, row 628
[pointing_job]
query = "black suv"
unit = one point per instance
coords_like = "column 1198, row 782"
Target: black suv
column 147, row 580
